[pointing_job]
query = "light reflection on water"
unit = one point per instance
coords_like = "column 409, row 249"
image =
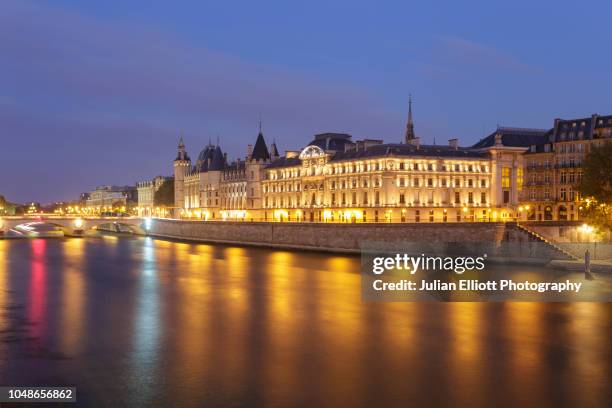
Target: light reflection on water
column 136, row 321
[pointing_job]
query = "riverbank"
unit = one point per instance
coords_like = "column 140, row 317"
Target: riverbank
column 350, row 238
column 323, row 236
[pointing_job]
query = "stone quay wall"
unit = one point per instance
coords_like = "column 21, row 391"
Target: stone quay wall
column 332, row 236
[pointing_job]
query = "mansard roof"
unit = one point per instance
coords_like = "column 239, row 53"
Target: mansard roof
column 331, row 141
column 395, row 149
column 391, row 149
column 565, row 129
column 260, row 150
column 514, row 137
column 285, row 162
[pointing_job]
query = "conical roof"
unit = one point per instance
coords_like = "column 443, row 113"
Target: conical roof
column 260, row 151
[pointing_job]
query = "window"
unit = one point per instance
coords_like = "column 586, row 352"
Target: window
column 483, row 198
column 430, row 182
column 431, row 215
column 402, row 199
column 365, row 197
column 471, row 197
column 377, row 197
column 483, row 183
column 505, row 177
column 457, row 183
column 457, row 198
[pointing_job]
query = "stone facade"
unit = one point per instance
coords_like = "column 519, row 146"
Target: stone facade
column 146, row 196
column 336, row 179
column 554, row 167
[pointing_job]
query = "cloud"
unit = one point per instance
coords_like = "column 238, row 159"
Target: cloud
column 89, row 78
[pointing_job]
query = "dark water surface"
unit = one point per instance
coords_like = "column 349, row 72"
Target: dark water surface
column 137, row 321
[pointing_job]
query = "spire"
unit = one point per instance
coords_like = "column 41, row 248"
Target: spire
column 260, row 132
column 182, row 153
column 410, row 125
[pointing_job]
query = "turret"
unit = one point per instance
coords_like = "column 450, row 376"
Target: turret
column 182, row 163
column 256, row 162
column 273, row 152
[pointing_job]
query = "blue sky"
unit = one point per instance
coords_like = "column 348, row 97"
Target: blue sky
column 96, row 93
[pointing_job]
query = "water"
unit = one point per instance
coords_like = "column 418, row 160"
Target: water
column 137, row 321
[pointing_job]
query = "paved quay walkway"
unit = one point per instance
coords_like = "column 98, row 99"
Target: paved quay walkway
column 602, row 266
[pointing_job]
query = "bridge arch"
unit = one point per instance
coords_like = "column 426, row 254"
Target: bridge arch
column 76, row 225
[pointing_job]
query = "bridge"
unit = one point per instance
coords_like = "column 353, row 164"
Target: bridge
column 75, row 226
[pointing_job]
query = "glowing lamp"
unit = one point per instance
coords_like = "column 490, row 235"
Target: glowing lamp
column 78, row 223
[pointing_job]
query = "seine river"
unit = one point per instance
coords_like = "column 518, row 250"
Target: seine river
column 137, row 321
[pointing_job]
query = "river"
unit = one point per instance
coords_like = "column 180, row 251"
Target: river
column 133, row 321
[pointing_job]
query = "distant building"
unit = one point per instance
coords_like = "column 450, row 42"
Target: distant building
column 6, row 207
column 111, row 198
column 83, row 197
column 146, row 195
column 554, row 167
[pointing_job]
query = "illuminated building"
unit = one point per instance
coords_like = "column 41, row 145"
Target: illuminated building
column 554, row 167
column 146, row 195
column 336, row 179
column 111, row 198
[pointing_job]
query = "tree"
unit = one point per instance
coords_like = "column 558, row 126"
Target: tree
column 164, row 196
column 596, row 186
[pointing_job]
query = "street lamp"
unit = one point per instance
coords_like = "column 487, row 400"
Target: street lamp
column 78, row 223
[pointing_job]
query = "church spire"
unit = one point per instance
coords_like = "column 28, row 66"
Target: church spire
column 410, row 125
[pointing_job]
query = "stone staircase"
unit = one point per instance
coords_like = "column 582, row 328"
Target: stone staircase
column 534, row 236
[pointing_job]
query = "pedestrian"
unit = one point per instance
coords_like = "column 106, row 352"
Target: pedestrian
column 587, row 265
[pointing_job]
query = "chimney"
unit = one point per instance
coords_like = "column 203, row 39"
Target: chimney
column 250, row 151
column 454, row 143
column 498, row 139
column 415, row 142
